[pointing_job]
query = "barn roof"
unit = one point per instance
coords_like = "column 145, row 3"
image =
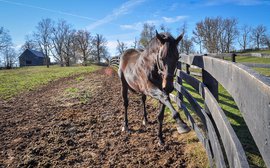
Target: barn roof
column 37, row 53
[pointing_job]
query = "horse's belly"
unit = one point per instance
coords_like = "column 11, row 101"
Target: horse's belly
column 136, row 82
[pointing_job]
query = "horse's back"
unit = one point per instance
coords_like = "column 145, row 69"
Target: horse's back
column 128, row 58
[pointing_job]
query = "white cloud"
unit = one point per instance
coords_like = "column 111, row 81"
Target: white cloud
column 124, row 9
column 18, row 47
column 48, row 10
column 134, row 26
column 173, row 20
column 113, row 44
column 138, row 25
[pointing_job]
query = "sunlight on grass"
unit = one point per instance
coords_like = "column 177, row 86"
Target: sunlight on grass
column 244, row 59
column 248, row 59
column 16, row 81
column 263, row 71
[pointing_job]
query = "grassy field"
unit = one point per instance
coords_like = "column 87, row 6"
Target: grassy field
column 15, row 81
column 246, row 59
column 264, row 71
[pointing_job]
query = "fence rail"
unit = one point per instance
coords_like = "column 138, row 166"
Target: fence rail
column 251, row 92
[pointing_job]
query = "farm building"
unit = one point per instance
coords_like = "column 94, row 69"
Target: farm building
column 32, row 58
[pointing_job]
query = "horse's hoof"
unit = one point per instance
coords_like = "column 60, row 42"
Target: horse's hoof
column 183, row 128
column 125, row 128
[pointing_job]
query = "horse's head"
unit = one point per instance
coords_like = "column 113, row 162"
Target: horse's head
column 167, row 58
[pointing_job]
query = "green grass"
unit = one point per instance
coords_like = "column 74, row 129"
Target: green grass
column 264, row 71
column 266, row 51
column 248, row 59
column 259, row 51
column 16, row 81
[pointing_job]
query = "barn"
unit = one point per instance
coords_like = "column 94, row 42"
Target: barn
column 32, row 58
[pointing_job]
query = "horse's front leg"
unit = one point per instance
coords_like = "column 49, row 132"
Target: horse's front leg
column 160, row 121
column 164, row 98
column 145, row 120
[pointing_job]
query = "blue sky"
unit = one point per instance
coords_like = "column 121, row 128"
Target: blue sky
column 119, row 19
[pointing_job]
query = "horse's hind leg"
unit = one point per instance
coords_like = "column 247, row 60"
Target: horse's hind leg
column 145, row 121
column 125, row 99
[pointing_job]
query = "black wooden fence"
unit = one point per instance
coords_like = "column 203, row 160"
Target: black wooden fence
column 251, row 92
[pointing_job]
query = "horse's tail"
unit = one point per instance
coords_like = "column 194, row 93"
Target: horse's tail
column 120, row 72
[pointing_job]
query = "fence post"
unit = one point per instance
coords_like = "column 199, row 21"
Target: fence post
column 179, row 81
column 212, row 84
column 187, row 69
column 233, row 57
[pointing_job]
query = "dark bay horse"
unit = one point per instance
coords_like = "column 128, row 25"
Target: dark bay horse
column 151, row 73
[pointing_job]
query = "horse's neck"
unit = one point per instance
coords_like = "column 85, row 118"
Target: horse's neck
column 149, row 55
column 147, row 60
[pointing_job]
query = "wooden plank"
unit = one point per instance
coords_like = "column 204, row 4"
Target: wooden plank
column 208, row 124
column 194, row 126
column 205, row 141
column 196, row 107
column 219, row 55
column 189, row 79
column 196, row 84
column 196, row 74
column 179, row 80
column 233, row 148
column 211, row 83
column 195, row 67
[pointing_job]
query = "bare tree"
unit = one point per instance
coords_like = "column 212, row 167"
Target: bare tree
column 147, row 34
column 9, row 57
column 257, row 35
column 43, row 37
column 266, row 41
column 197, row 39
column 187, row 45
column 243, row 39
column 60, row 34
column 121, row 47
column 181, row 46
column 5, row 39
column 84, row 39
column 230, row 33
column 29, row 43
column 211, row 32
column 135, row 44
column 70, row 47
column 99, row 47
column 164, row 28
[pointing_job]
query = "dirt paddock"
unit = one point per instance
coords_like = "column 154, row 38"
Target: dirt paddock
column 76, row 122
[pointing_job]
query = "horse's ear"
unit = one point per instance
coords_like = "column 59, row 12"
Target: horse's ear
column 159, row 37
column 179, row 38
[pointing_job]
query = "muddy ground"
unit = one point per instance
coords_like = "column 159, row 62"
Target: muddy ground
column 76, row 122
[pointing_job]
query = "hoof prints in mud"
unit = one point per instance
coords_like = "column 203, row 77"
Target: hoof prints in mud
column 39, row 129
